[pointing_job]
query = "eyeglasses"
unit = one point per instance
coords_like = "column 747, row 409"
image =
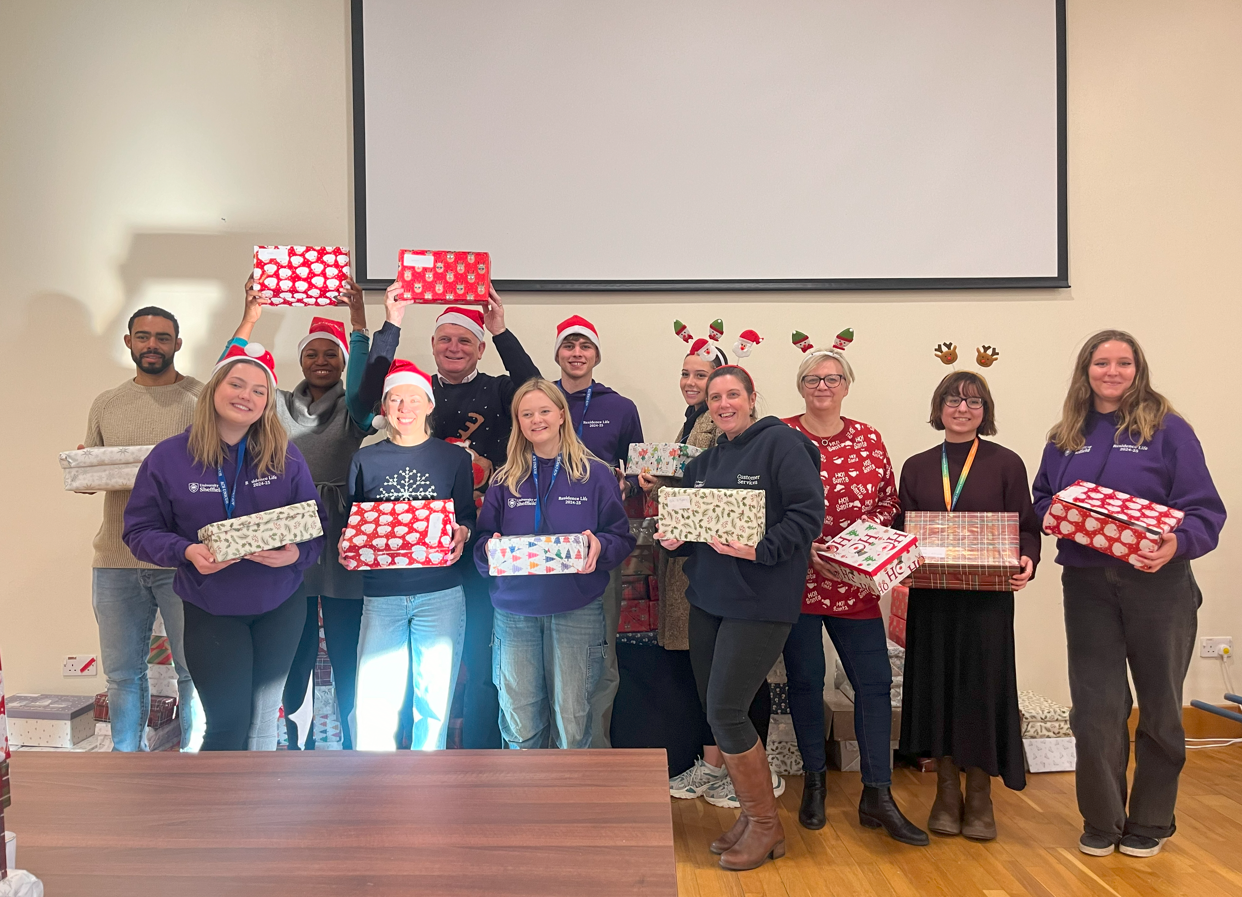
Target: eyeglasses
column 832, row 381
column 972, row 402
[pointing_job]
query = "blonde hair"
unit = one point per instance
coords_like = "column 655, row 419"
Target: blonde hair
column 574, row 455
column 815, row 359
column 267, row 443
column 1142, row 410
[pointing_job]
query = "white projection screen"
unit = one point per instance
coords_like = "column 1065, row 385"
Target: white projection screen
column 715, row 144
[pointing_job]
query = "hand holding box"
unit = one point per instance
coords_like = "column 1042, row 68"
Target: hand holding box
column 240, row 536
column 537, row 555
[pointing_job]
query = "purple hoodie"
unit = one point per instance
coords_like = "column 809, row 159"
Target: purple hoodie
column 174, row 496
column 569, row 508
column 611, row 422
column 1170, row 470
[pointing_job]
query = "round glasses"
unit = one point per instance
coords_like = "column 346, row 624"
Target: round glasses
column 974, row 403
column 832, row 381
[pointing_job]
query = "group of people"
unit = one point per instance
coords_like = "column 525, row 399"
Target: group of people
column 521, row 455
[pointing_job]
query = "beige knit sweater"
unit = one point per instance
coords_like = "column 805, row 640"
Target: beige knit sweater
column 134, row 415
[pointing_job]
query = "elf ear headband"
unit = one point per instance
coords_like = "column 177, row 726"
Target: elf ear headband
column 985, row 356
column 840, row 344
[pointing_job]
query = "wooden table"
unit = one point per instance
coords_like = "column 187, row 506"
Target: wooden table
column 290, row 823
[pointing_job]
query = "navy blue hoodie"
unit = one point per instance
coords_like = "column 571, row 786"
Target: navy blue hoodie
column 785, row 464
column 571, row 507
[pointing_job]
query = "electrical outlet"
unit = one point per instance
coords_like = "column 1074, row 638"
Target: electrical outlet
column 81, row 665
column 1215, row 646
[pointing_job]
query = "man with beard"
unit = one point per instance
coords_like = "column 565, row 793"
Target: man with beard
column 156, row 404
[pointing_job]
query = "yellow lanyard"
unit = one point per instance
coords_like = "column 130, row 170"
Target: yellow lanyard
column 950, row 498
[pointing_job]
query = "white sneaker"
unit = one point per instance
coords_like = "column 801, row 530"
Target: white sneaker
column 721, row 793
column 695, row 781
column 778, row 785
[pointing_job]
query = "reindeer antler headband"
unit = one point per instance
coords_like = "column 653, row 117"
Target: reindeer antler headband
column 985, row 356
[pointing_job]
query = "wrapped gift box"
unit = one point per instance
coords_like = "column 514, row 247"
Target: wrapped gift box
column 327, row 722
column 634, row 588
column 965, row 550
column 635, row 615
column 661, row 459
column 166, row 738
column 300, row 275
column 537, row 555
column 640, row 562
column 163, row 710
column 643, row 530
column 1043, row 717
column 1113, row 523
column 871, row 557
column 386, row 534
column 162, row 679
column 443, row 277
column 899, row 603
column 160, row 651
column 1049, row 754
column 843, row 752
column 104, row 468
column 278, row 527
column 59, row 721
column 700, row 515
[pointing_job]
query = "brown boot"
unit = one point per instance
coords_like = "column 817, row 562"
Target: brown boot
column 732, row 836
column 946, row 812
column 978, row 823
column 763, row 836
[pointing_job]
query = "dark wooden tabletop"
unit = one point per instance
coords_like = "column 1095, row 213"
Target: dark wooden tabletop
column 337, row 823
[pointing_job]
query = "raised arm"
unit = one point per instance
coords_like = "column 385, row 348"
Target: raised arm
column 383, row 351
column 516, row 361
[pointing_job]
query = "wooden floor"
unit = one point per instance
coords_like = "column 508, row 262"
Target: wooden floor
column 1036, row 853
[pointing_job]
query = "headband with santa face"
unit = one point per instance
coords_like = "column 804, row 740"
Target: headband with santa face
column 742, row 346
column 840, row 344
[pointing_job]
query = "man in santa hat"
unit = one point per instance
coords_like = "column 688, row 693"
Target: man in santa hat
column 473, row 407
column 607, row 422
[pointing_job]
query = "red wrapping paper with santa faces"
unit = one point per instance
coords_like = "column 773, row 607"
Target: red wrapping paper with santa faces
column 1114, row 523
column 383, row 535
column 300, row 275
column 436, row 276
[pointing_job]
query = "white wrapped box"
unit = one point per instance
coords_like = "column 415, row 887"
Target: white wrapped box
column 700, row 515
column 871, row 557
column 58, row 721
column 104, row 468
column 663, row 459
column 1049, row 754
column 240, row 536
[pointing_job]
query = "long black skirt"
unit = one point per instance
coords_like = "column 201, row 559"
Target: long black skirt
column 960, row 692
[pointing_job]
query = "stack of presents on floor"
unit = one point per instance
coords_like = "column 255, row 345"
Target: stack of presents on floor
column 325, row 732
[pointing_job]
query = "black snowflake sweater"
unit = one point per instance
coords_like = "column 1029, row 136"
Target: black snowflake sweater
column 432, row 469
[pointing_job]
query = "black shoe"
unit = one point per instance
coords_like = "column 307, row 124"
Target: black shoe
column 1095, row 845
column 877, row 809
column 1140, row 846
column 811, row 815
column 291, row 731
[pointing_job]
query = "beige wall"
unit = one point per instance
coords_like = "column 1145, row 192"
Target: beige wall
column 145, row 147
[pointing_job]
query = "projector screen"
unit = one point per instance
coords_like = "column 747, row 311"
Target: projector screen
column 714, row 144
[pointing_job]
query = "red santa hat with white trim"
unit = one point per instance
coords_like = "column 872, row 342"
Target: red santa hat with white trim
column 470, row 318
column 404, row 372
column 253, row 352
column 577, row 326
column 325, row 328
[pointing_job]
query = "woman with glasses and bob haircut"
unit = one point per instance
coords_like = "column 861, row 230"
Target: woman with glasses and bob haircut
column 858, row 485
column 1117, row 431
column 960, row 694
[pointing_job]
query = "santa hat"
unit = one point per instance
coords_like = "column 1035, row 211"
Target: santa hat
column 470, row 318
column 249, row 352
column 403, row 372
column 325, row 328
column 576, row 326
column 708, row 352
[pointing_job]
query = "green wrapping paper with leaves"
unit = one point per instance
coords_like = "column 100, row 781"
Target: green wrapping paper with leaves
column 278, row 527
column 700, row 515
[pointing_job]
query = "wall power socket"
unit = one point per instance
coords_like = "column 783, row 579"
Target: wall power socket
column 80, row 665
column 1216, row 646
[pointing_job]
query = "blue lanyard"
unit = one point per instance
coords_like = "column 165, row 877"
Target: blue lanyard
column 230, row 501
column 586, row 405
column 540, row 497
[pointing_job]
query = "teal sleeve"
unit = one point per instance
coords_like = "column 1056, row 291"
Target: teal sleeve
column 233, row 341
column 359, row 349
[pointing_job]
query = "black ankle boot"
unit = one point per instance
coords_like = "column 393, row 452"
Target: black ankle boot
column 877, row 809
column 811, row 815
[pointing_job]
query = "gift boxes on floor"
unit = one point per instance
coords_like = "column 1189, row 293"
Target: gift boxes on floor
column 843, row 752
column 300, row 275
column 969, row 550
column 1043, row 717
column 639, row 611
column 387, row 534
column 105, row 468
column 640, row 562
column 897, row 665
column 898, row 607
column 643, row 530
column 1049, row 754
column 444, row 277
column 1113, row 523
column 59, row 721
column 537, row 555
column 871, row 557
column 700, row 515
column 240, row 536
column 662, row 459
column 163, row 710
column 164, row 738
column 327, row 722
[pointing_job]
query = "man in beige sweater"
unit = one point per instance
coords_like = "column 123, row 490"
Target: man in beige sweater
column 125, row 593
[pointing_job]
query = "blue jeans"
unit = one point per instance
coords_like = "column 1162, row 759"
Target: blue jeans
column 545, row 670
column 125, row 600
column 863, row 649
column 427, row 630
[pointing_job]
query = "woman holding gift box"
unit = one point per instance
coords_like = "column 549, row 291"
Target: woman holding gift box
column 412, row 617
column 1117, row 431
column 960, row 695
column 858, row 484
column 744, row 599
column 242, row 619
column 549, row 635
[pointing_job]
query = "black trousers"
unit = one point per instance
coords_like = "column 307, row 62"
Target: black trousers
column 239, row 665
column 1116, row 616
column 731, row 660
column 342, row 620
column 480, row 705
